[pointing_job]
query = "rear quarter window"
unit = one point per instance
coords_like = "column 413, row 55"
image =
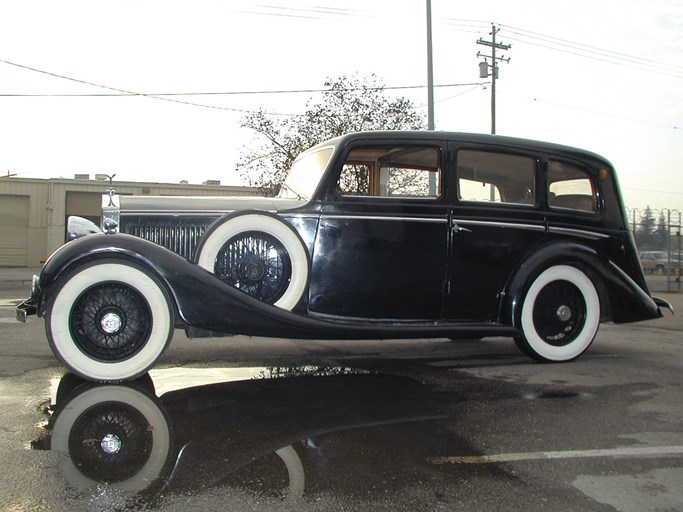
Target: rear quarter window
column 571, row 187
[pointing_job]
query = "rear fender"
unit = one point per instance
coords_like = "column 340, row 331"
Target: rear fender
column 621, row 299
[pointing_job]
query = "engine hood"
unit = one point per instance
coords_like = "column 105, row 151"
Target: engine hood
column 202, row 205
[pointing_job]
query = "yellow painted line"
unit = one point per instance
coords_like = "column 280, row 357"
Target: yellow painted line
column 635, row 451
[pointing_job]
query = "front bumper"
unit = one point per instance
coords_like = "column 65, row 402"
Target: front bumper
column 29, row 306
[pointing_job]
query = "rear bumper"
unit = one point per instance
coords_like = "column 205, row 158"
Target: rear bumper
column 663, row 304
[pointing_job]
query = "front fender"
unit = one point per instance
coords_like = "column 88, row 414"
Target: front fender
column 199, row 298
column 622, row 299
column 96, row 246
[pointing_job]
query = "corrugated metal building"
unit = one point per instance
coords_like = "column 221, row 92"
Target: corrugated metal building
column 33, row 212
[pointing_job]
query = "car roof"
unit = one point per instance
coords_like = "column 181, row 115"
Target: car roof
column 467, row 138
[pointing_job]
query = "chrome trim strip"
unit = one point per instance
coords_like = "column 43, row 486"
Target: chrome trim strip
column 531, row 227
column 325, row 216
column 206, row 213
column 592, row 235
column 177, row 213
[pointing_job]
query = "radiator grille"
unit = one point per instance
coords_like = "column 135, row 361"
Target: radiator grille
column 179, row 238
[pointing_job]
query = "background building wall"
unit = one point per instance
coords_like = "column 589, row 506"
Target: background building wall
column 33, row 212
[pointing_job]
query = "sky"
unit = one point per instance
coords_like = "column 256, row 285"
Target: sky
column 602, row 75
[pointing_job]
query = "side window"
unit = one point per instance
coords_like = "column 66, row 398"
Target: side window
column 393, row 171
column 571, row 187
column 354, row 179
column 496, row 177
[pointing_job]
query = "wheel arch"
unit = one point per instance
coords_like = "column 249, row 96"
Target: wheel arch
column 134, row 303
column 565, row 253
column 57, row 270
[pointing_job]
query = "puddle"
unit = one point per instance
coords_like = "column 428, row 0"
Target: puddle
column 555, row 394
column 282, row 433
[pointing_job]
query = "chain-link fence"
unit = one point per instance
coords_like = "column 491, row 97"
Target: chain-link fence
column 658, row 237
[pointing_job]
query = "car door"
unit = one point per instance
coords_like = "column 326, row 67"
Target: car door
column 495, row 221
column 381, row 248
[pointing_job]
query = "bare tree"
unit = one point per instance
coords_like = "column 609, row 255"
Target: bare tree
column 348, row 104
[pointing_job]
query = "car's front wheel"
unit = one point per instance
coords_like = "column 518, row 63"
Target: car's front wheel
column 560, row 315
column 109, row 321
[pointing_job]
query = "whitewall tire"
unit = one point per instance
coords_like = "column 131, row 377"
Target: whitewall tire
column 560, row 315
column 115, row 434
column 109, row 322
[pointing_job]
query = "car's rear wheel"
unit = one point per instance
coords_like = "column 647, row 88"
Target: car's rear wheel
column 560, row 315
column 259, row 255
column 109, row 322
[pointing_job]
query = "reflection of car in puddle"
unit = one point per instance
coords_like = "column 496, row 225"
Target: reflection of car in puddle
column 259, row 434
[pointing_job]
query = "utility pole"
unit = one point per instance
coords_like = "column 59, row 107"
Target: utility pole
column 484, row 68
column 430, row 72
column 430, row 91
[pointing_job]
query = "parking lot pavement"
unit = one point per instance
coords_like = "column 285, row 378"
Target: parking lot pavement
column 18, row 274
column 427, row 424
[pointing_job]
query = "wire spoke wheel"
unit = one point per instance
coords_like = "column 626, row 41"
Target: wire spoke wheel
column 118, row 434
column 255, row 263
column 111, row 321
column 110, row 442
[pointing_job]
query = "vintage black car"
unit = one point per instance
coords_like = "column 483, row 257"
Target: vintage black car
column 373, row 235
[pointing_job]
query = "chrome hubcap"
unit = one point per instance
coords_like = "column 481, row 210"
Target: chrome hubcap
column 111, row 323
column 564, row 313
column 111, row 444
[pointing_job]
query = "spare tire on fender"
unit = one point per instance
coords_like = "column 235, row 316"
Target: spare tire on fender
column 259, row 254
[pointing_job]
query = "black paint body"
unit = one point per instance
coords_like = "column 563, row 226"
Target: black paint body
column 393, row 267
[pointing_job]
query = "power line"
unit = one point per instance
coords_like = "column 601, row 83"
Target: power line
column 571, row 47
column 470, row 25
column 312, row 12
column 594, row 53
column 118, row 92
column 653, row 191
column 230, row 93
column 674, row 73
column 673, row 127
column 302, row 13
column 592, row 49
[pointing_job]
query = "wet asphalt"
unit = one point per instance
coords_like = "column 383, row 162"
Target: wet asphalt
column 265, row 424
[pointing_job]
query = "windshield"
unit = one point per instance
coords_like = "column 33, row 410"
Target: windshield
column 305, row 174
